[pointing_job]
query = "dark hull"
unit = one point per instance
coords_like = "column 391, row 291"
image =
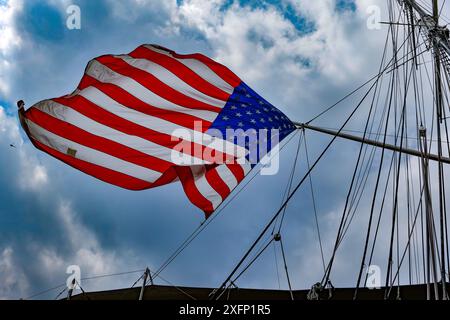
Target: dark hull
column 413, row 292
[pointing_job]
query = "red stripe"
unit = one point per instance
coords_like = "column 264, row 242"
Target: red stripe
column 73, row 133
column 181, row 71
column 222, row 71
column 216, row 181
column 100, row 115
column 126, row 99
column 187, row 180
column 237, row 171
column 168, row 177
column 110, row 176
column 154, row 84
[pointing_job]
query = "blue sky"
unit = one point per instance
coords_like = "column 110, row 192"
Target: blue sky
column 300, row 55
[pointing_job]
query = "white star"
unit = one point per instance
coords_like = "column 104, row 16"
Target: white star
column 261, row 102
column 253, row 121
column 240, row 124
column 233, row 108
column 258, row 112
column 270, row 120
column 238, row 115
column 225, row 118
column 262, row 120
column 243, row 105
column 249, row 113
column 247, row 95
column 266, row 110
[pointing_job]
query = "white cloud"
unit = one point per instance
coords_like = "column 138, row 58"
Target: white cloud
column 132, row 10
column 300, row 72
column 9, row 128
column 86, row 251
column 81, row 248
column 260, row 45
column 80, row 243
column 32, row 175
column 13, row 279
column 9, row 41
column 290, row 67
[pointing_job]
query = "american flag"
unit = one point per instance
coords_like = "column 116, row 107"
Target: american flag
column 120, row 124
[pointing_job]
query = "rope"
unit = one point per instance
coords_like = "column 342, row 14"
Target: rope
column 327, row 273
column 410, row 234
column 276, row 264
column 386, row 70
column 59, row 294
column 372, row 207
column 83, row 279
column 174, row 286
column 293, row 192
column 222, row 207
column 232, row 282
column 204, row 224
column 314, row 204
column 112, row 275
column 290, row 180
column 286, row 268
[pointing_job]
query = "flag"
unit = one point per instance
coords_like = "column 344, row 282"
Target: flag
column 153, row 117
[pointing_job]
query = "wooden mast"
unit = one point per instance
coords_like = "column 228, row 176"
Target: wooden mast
column 412, row 152
column 439, row 117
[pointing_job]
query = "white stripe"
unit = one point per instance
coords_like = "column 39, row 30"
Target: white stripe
column 204, row 187
column 246, row 167
column 171, row 80
column 201, row 69
column 157, row 124
column 227, row 176
column 102, row 73
column 77, row 119
column 93, row 156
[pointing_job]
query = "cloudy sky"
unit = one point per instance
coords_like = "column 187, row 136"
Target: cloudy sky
column 300, row 55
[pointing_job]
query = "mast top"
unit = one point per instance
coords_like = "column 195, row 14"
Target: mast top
column 439, row 35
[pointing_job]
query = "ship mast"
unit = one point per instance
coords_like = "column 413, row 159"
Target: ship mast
column 435, row 252
column 375, row 143
column 440, row 47
column 439, row 112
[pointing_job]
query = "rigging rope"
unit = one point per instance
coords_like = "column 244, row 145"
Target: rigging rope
column 294, row 191
column 82, row 279
column 286, row 268
column 290, row 181
column 314, row 204
column 203, row 226
column 327, row 273
column 222, row 207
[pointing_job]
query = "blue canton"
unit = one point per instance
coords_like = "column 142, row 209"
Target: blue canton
column 247, row 110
